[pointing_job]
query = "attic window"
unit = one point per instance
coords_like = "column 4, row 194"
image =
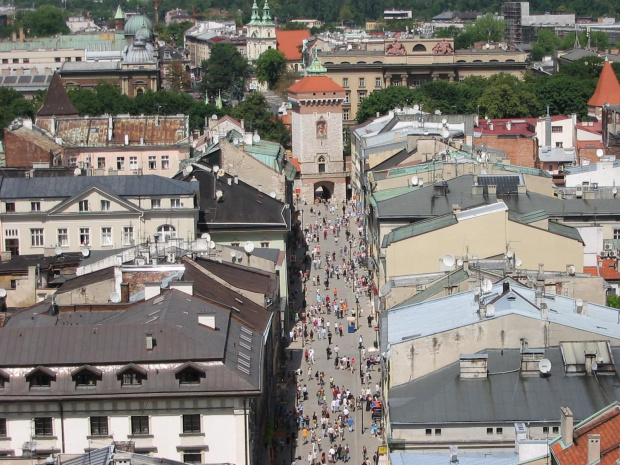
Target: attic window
column 41, row 378
column 4, row 378
column 86, row 376
column 189, row 373
column 131, row 375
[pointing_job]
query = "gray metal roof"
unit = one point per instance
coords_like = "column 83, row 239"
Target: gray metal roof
column 451, row 279
column 459, row 310
column 464, row 458
column 123, row 186
column 505, row 396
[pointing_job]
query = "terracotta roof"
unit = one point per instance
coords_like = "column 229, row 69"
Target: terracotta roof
column 607, row 89
column 591, row 270
column 315, row 84
column 521, row 127
column 289, row 43
column 609, row 269
column 57, row 101
column 590, row 144
column 607, row 425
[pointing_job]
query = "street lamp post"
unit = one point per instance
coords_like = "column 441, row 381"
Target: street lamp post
column 363, row 398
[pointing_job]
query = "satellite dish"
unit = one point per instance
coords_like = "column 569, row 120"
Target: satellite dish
column 579, row 302
column 272, row 195
column 594, row 366
column 445, row 133
column 599, row 153
column 115, row 297
column 239, row 256
column 518, row 261
column 510, row 254
column 2, row 293
column 214, row 117
column 256, row 138
column 233, row 254
column 206, row 236
column 490, row 310
column 248, row 247
column 219, row 195
column 216, row 168
column 476, row 291
column 414, row 180
column 444, row 121
column 544, row 366
column 421, row 183
column 85, row 252
column 572, row 269
column 221, row 172
column 416, row 107
column 58, row 250
column 211, row 245
column 487, row 285
column 78, row 171
column 188, row 169
column 459, row 262
column 614, row 190
column 448, row 259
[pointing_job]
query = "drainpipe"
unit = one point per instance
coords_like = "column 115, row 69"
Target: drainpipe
column 62, row 426
column 245, row 429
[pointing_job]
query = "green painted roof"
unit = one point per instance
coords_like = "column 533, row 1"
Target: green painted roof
column 390, row 193
column 267, row 152
column 419, row 228
column 566, row 231
column 452, row 278
column 522, row 169
column 119, row 13
column 529, row 217
column 407, row 170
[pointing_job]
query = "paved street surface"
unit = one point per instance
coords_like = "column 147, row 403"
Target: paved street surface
column 292, row 447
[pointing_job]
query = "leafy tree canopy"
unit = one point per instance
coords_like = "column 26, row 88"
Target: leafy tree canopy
column 225, row 71
column 254, row 110
column 270, row 65
column 45, row 21
column 13, row 105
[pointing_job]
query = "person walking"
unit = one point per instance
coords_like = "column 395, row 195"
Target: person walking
column 364, row 452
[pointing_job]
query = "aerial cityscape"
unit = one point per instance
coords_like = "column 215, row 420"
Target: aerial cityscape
column 290, row 233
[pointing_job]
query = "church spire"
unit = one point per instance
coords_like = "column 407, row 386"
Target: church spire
column 266, row 12
column 255, row 15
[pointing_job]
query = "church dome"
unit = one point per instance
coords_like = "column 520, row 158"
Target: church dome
column 137, row 22
column 144, row 34
column 138, row 53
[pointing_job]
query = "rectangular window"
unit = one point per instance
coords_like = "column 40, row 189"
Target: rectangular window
column 345, row 115
column 360, row 97
column 35, row 206
column 152, row 162
column 347, row 97
column 616, row 233
column 13, row 284
column 105, row 205
column 101, row 163
column 106, row 236
column 63, row 237
column 417, row 82
column 36, row 237
column 5, row 61
column 499, row 430
column 559, row 144
column 429, row 432
column 120, row 163
column 15, row 60
column 10, row 207
column 191, row 423
column 264, row 244
column 99, row 426
column 140, row 424
column 72, row 162
column 545, row 429
column 155, row 204
column 57, row 59
column 377, row 82
column 84, row 236
column 43, row 426
column 127, row 235
column 175, row 203
column 133, row 163
column 235, row 244
column 192, row 456
column 26, row 60
column 165, row 162
column 556, row 429
column 396, row 82
column 557, row 129
column 362, row 82
column 3, row 427
column 131, row 379
column 489, row 430
column 345, row 82
column 437, row 431
column 83, row 205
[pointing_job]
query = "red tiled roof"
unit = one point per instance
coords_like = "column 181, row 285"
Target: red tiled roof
column 591, row 270
column 589, row 144
column 289, row 43
column 315, row 84
column 607, row 88
column 596, row 127
column 228, row 118
column 523, row 129
column 607, row 425
column 607, row 271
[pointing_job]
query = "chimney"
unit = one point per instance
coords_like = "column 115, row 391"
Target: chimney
column 491, row 126
column 544, row 310
column 21, row 34
column 207, row 320
column 151, row 290
column 566, row 426
column 505, row 287
column 508, row 125
column 124, row 292
column 149, row 341
column 477, row 190
column 236, row 178
column 548, row 129
column 492, row 188
column 186, row 287
column 242, row 124
column 594, row 448
column 466, row 268
column 456, row 208
column 473, row 366
column 521, row 189
column 590, row 361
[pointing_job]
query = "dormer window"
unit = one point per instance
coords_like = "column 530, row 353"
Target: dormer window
column 189, row 373
column 86, row 376
column 41, row 378
column 4, row 378
column 131, row 375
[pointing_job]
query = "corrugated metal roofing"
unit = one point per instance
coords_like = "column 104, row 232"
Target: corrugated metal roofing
column 451, row 279
column 378, row 196
column 529, row 217
column 418, row 228
column 564, row 230
column 123, row 186
column 464, row 458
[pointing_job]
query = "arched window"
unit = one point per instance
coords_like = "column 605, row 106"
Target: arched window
column 165, row 232
column 140, row 91
column 419, row 48
column 321, row 162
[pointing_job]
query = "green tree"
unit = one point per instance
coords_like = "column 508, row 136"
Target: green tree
column 270, row 65
column 486, row 28
column 501, row 101
column 546, row 44
column 384, row 100
column 225, row 71
column 178, row 79
column 613, row 301
column 565, row 94
column 13, row 105
column 45, row 21
column 173, row 33
column 254, row 110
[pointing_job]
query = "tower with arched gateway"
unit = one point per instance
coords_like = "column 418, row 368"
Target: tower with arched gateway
column 317, row 134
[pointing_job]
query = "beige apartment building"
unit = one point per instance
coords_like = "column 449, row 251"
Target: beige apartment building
column 411, row 62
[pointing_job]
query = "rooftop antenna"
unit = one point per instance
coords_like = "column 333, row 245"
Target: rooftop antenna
column 576, row 44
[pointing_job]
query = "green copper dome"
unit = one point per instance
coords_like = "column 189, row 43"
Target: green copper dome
column 137, row 22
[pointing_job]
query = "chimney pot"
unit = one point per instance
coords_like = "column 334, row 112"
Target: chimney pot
column 594, row 448
column 566, row 426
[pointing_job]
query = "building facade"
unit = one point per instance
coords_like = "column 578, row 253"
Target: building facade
column 261, row 33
